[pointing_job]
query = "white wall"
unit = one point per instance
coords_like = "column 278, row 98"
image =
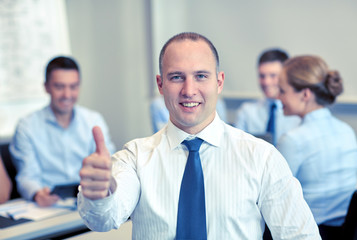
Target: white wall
column 242, row 29
column 118, row 47
column 109, row 40
column 31, row 33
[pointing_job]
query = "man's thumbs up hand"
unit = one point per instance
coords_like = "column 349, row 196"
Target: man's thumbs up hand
column 96, row 169
column 99, row 142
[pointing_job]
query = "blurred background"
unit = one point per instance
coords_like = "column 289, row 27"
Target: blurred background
column 117, row 43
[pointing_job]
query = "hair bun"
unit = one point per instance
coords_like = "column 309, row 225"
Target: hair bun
column 334, row 83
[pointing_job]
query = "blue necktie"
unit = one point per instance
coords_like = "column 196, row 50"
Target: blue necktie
column 271, row 122
column 191, row 214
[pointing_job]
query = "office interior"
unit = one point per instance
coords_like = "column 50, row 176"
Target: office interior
column 117, row 44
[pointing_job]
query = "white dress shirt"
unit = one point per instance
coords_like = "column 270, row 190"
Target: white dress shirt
column 246, row 181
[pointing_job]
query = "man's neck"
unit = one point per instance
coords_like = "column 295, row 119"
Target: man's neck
column 64, row 119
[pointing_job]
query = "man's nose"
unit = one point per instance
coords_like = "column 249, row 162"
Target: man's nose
column 264, row 79
column 67, row 92
column 189, row 87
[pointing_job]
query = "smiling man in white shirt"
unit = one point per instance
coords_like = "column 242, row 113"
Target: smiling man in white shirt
column 246, row 180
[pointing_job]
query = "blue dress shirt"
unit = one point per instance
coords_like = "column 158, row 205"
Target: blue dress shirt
column 252, row 117
column 322, row 154
column 160, row 115
column 45, row 154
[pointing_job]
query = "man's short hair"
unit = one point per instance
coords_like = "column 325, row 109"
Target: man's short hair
column 60, row 62
column 188, row 36
column 272, row 55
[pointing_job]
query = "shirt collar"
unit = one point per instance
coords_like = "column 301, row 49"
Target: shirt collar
column 211, row 134
column 50, row 116
column 277, row 102
column 317, row 114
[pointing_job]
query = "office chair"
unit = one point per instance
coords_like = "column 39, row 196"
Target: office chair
column 350, row 224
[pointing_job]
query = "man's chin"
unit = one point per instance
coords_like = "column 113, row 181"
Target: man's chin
column 186, row 123
column 64, row 111
column 271, row 95
column 270, row 92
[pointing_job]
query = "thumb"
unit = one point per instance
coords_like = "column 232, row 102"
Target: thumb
column 101, row 149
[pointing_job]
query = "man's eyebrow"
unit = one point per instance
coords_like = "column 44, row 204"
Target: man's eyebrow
column 181, row 73
column 202, row 72
column 174, row 73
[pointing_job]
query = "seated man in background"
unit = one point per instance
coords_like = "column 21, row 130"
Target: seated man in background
column 265, row 116
column 5, row 183
column 160, row 114
column 49, row 144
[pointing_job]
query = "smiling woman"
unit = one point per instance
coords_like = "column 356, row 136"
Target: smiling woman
column 322, row 151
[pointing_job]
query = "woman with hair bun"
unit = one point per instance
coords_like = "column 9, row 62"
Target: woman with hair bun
column 322, row 151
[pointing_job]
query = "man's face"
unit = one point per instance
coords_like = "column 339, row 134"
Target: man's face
column 190, row 84
column 269, row 78
column 63, row 86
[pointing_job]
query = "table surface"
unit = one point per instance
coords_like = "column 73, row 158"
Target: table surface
column 123, row 233
column 61, row 224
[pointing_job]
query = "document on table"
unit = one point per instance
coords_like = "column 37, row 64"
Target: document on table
column 20, row 208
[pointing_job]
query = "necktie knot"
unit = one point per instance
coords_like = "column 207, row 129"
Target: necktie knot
column 193, row 145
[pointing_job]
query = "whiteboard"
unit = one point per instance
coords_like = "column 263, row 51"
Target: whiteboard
column 31, row 33
column 241, row 30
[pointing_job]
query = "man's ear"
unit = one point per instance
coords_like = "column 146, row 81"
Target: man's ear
column 159, row 83
column 220, row 81
column 46, row 87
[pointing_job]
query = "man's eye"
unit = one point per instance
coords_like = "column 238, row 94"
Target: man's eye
column 74, row 87
column 201, row 76
column 58, row 87
column 176, row 78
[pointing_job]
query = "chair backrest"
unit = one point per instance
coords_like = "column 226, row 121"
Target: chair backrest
column 350, row 224
column 10, row 168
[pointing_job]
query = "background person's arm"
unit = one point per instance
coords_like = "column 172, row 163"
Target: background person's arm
column 44, row 198
column 22, row 151
column 5, row 183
